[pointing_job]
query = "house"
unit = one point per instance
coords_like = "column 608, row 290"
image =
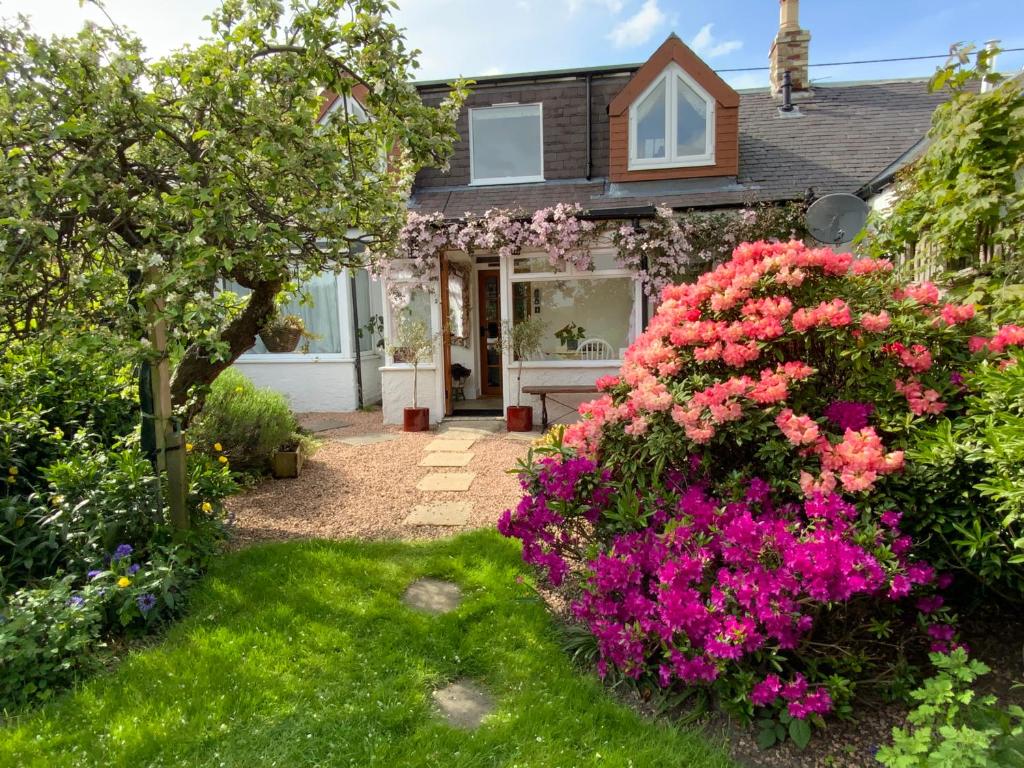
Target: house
column 618, row 141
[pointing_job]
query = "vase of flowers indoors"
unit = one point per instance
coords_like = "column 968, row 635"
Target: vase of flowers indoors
column 521, row 340
column 570, row 336
column 413, row 344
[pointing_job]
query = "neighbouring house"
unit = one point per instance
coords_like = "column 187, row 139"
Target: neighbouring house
column 617, row 143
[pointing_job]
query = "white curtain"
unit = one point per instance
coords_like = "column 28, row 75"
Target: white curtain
column 319, row 313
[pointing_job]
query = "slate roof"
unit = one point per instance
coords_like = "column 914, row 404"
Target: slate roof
column 847, row 135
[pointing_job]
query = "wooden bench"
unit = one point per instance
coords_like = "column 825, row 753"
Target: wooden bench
column 545, row 392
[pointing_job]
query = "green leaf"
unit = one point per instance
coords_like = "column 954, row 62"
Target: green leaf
column 800, row 732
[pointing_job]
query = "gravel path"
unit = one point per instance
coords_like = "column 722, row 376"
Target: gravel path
column 367, row 491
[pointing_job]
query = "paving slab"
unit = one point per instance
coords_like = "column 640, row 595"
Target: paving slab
column 526, row 437
column 471, row 427
column 446, row 481
column 463, row 704
column 452, row 445
column 446, row 459
column 322, row 423
column 442, row 513
column 433, row 596
column 369, row 439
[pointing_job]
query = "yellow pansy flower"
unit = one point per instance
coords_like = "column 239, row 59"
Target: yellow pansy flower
column 12, row 471
column 206, row 506
column 188, row 447
column 217, row 447
column 222, row 459
column 123, row 582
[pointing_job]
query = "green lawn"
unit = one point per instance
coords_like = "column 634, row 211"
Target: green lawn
column 302, row 654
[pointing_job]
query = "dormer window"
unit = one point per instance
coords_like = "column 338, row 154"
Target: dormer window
column 672, row 124
column 506, row 144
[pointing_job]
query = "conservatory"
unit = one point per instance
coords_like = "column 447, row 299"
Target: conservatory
column 590, row 314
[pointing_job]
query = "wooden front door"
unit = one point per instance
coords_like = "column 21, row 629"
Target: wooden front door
column 489, row 301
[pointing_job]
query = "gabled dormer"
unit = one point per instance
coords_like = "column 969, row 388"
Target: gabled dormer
column 675, row 119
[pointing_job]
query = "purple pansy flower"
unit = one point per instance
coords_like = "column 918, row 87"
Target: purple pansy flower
column 133, row 569
column 122, row 551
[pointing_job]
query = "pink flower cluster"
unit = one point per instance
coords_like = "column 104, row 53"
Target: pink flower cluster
column 921, row 401
column 799, row 702
column 713, row 583
column 917, row 357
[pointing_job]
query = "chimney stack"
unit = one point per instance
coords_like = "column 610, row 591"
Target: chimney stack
column 790, row 49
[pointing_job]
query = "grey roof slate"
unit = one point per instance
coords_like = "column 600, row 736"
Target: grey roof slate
column 845, row 137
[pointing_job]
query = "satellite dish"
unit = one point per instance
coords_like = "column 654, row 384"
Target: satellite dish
column 837, row 218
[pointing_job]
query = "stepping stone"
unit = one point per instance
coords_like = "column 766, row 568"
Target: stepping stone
column 446, row 481
column 451, row 445
column 322, row 423
column 446, row 459
column 443, row 513
column 370, row 439
column 525, row 437
column 463, row 704
column 471, row 427
column 433, row 596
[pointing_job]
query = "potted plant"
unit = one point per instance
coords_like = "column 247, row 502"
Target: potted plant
column 570, row 336
column 521, row 340
column 286, row 461
column 282, row 332
column 413, row 344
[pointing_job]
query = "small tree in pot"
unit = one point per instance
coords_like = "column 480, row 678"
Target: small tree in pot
column 520, row 340
column 414, row 344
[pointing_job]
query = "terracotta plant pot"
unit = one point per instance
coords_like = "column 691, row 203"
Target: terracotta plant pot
column 416, row 419
column 286, row 463
column 519, row 418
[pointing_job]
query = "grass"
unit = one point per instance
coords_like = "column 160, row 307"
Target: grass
column 302, row 654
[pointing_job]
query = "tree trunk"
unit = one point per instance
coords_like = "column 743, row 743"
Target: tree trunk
column 197, row 370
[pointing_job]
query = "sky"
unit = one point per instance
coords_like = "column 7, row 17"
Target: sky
column 489, row 37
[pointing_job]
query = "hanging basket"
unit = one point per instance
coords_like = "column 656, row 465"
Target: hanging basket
column 281, row 339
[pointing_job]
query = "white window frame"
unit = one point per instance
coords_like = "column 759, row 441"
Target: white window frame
column 671, row 159
column 572, row 273
column 475, row 182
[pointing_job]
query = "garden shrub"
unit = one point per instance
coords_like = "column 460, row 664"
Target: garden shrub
column 973, row 465
column 953, row 727
column 731, row 507
column 46, row 635
column 57, row 389
column 247, row 423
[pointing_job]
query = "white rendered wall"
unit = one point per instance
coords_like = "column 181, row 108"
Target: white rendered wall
column 396, row 385
column 314, row 383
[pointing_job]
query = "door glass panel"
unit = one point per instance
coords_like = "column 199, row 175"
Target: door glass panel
column 650, row 124
column 691, row 121
column 490, row 333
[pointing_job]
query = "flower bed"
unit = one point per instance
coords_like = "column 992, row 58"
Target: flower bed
column 736, row 506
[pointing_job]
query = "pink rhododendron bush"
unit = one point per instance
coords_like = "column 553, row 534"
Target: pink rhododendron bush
column 736, row 511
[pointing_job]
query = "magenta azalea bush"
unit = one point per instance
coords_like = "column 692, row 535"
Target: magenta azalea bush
column 733, row 510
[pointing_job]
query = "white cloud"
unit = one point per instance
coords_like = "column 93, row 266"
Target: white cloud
column 707, row 46
column 638, row 29
column 491, row 71
column 613, row 6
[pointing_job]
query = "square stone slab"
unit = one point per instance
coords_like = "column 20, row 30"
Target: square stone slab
column 433, row 596
column 443, row 513
column 471, row 428
column 446, row 459
column 446, row 481
column 451, row 445
column 370, row 439
column 525, row 437
column 322, row 423
column 463, row 704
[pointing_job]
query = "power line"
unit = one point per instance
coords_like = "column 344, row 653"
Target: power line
column 862, row 61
